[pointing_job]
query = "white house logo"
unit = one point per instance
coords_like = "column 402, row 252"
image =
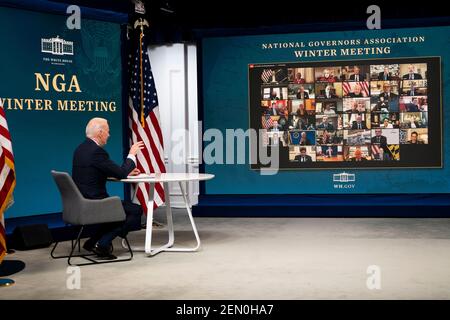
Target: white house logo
column 345, row 180
column 57, row 46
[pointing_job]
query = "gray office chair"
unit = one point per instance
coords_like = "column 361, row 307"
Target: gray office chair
column 79, row 211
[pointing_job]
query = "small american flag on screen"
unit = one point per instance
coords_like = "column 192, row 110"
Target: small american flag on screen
column 347, row 88
column 267, row 122
column 266, row 75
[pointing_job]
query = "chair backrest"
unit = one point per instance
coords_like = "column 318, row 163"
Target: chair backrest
column 70, row 195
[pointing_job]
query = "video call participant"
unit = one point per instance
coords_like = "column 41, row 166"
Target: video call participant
column 379, row 139
column 357, row 75
column 385, row 75
column 412, row 75
column 387, row 95
column 357, row 92
column 298, row 79
column 304, row 141
column 358, row 124
column 386, row 124
column 303, row 157
column 328, row 110
column 329, row 152
column 412, row 91
column 302, row 94
column 326, row 138
column 325, row 124
column 413, row 106
column 273, row 110
column 327, row 76
column 273, row 95
column 358, row 156
column 414, row 140
column 328, row 93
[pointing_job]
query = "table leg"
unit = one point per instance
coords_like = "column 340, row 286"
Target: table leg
column 194, row 228
column 149, row 224
column 169, row 224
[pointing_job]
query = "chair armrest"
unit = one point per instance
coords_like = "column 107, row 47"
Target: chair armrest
column 102, row 211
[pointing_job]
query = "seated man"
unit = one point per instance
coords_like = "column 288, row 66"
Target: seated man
column 302, row 157
column 90, row 169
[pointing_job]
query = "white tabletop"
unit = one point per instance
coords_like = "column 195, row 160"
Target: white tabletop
column 169, row 177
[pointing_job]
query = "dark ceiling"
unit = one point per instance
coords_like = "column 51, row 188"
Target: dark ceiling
column 185, row 16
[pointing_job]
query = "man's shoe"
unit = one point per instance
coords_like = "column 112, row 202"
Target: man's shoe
column 103, row 253
column 89, row 245
column 155, row 225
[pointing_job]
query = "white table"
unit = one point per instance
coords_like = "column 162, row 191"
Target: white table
column 165, row 178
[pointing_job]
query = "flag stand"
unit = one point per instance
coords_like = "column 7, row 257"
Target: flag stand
column 6, row 283
column 7, row 268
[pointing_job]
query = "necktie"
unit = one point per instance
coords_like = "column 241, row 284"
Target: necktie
column 357, row 77
column 359, row 125
column 303, row 159
column 385, row 76
column 411, row 76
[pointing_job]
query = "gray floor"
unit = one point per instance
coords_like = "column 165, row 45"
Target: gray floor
column 270, row 258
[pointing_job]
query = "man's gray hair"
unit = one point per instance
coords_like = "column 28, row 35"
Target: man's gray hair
column 94, row 126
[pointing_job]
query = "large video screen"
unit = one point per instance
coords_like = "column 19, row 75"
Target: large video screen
column 366, row 106
column 349, row 114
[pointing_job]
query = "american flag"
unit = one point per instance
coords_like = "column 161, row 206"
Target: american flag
column 376, row 151
column 144, row 122
column 267, row 122
column 347, row 87
column 7, row 177
column 266, row 75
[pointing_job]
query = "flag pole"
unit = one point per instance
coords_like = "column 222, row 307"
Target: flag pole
column 141, row 23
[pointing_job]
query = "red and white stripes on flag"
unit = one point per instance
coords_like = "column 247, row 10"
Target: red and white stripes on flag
column 7, row 177
column 144, row 124
column 348, row 87
column 266, row 75
column 375, row 150
column 150, row 159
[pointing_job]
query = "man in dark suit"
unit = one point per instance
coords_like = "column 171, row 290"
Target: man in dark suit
column 358, row 124
column 387, row 95
column 90, row 169
column 413, row 106
column 357, row 75
column 304, row 141
column 325, row 125
column 303, row 157
column 385, row 75
column 380, row 140
column 412, row 75
column 302, row 94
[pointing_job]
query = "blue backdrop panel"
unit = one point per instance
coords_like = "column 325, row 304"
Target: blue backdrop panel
column 76, row 87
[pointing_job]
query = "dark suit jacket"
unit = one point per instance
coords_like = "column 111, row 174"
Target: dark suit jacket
column 307, row 158
column 305, row 143
column 305, row 95
column 381, row 76
column 329, row 126
column 392, row 96
column 91, row 167
column 383, row 140
column 411, row 107
column 362, row 77
column 355, row 125
column 417, row 76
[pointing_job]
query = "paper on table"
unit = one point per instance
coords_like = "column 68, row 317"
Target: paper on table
column 142, row 175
